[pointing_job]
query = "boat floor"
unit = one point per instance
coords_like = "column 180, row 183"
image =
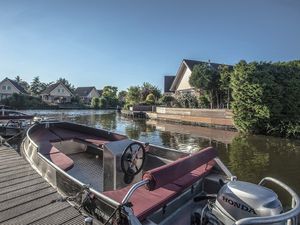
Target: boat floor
column 87, row 169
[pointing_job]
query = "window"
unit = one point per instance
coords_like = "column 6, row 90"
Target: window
column 62, row 90
column 58, row 90
column 8, row 87
column 4, row 88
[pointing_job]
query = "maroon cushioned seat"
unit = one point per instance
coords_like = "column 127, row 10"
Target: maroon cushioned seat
column 166, row 174
column 96, row 140
column 46, row 148
column 66, row 134
column 180, row 175
column 146, row 202
column 43, row 135
column 61, row 160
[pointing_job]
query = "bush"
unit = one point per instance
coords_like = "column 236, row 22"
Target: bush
column 266, row 98
column 20, row 101
column 167, row 100
column 150, row 100
column 187, row 100
column 103, row 103
column 95, row 103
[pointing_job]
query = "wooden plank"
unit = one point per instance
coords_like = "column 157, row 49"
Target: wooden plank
column 26, row 198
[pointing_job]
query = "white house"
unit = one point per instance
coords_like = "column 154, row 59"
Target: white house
column 8, row 87
column 57, row 93
column 181, row 82
column 87, row 93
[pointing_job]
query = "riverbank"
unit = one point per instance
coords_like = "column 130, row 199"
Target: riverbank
column 217, row 118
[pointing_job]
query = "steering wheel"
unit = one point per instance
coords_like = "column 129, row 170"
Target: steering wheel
column 133, row 159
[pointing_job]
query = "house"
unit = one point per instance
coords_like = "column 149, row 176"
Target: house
column 8, row 87
column 181, row 82
column 168, row 81
column 57, row 93
column 87, row 93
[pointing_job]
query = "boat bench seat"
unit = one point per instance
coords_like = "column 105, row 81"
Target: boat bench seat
column 69, row 135
column 167, row 182
column 61, row 160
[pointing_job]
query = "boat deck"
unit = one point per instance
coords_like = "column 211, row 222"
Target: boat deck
column 26, row 198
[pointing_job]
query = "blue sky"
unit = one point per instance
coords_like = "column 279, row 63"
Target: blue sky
column 128, row 42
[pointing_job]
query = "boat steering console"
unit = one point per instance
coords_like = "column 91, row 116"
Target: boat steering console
column 132, row 160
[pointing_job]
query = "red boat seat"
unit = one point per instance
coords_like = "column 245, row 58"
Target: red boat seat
column 43, row 135
column 146, row 202
column 61, row 160
column 46, row 148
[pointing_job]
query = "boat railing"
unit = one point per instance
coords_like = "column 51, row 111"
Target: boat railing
column 291, row 216
column 133, row 189
column 96, row 193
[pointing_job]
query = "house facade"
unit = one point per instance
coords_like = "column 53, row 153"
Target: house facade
column 8, row 87
column 181, row 83
column 57, row 93
column 86, row 94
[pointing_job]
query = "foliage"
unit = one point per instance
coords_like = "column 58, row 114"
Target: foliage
column 133, row 95
column 266, row 97
column 66, row 83
column 187, row 100
column 147, row 89
column 122, row 98
column 22, row 83
column 203, row 101
column 150, row 100
column 36, row 86
column 109, row 97
column 20, row 101
column 167, row 100
column 95, row 102
column 225, row 75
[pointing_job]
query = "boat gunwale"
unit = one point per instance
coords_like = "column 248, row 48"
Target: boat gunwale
column 99, row 194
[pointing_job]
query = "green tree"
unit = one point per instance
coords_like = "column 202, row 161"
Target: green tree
column 167, row 100
column 22, row 83
column 150, row 100
column 36, row 86
column 66, row 83
column 110, row 96
column 95, row 103
column 225, row 74
column 122, row 98
column 205, row 78
column 133, row 95
column 147, row 89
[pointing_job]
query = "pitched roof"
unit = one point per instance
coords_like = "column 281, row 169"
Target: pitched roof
column 53, row 86
column 190, row 64
column 83, row 91
column 100, row 92
column 17, row 85
column 168, row 83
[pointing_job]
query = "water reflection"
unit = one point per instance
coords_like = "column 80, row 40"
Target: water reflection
column 249, row 157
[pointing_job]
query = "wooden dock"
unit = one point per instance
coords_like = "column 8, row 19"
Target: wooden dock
column 26, row 198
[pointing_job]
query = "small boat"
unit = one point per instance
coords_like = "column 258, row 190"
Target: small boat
column 116, row 180
column 13, row 122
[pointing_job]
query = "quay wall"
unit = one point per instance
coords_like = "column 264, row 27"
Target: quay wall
column 207, row 117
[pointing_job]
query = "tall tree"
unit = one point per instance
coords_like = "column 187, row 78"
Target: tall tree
column 225, row 74
column 22, row 83
column 66, row 83
column 133, row 95
column 147, row 89
column 205, row 78
column 36, row 86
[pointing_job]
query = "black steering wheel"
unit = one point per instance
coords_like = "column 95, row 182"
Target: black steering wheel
column 133, row 159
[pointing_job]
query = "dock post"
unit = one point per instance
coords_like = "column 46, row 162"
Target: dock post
column 88, row 221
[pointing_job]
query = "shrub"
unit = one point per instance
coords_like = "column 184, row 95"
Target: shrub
column 187, row 100
column 167, row 100
column 266, row 97
column 150, row 100
column 95, row 103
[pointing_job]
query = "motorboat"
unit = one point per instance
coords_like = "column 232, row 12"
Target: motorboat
column 13, row 122
column 116, row 180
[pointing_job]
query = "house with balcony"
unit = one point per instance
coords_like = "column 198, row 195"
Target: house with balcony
column 57, row 93
column 8, row 87
column 86, row 94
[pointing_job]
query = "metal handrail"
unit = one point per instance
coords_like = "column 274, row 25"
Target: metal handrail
column 133, row 189
column 290, row 216
column 105, row 198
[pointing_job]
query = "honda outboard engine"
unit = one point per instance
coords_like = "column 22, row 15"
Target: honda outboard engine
column 237, row 200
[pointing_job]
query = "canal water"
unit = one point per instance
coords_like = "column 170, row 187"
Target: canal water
column 250, row 158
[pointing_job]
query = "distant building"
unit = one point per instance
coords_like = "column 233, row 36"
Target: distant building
column 57, row 93
column 181, row 82
column 87, row 93
column 8, row 87
column 168, row 81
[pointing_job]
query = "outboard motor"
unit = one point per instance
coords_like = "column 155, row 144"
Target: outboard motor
column 238, row 200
